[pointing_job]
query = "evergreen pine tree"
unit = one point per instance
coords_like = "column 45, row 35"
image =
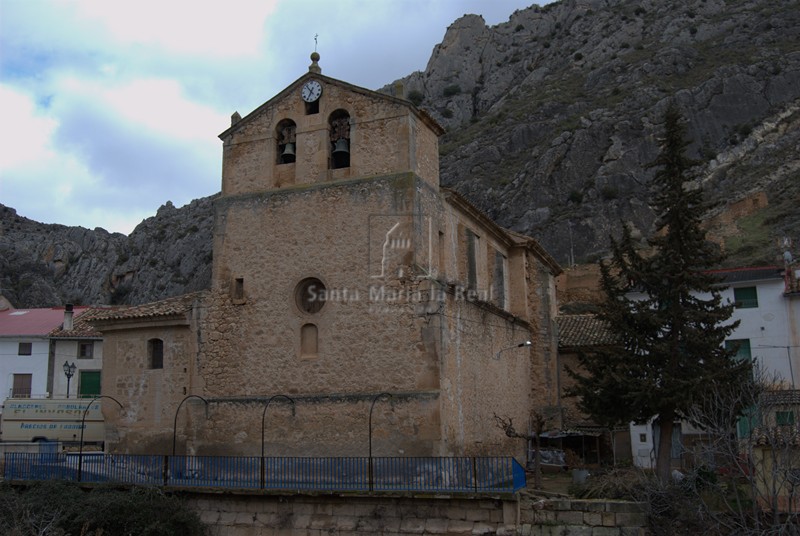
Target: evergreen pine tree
column 665, row 310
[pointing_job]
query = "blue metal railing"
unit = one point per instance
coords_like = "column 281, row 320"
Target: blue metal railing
column 441, row 475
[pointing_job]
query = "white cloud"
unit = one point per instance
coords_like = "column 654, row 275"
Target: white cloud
column 112, row 108
column 159, row 105
column 25, row 134
column 220, row 29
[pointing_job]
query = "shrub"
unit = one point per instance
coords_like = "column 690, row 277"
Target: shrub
column 415, row 97
column 578, row 56
column 64, row 508
column 609, row 192
column 575, row 197
column 451, row 90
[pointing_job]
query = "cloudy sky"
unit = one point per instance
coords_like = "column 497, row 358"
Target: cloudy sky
column 111, row 108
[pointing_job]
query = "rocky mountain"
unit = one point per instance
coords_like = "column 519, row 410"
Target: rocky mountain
column 552, row 119
column 554, row 116
column 166, row 255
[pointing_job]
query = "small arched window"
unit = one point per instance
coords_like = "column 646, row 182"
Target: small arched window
column 309, row 341
column 155, row 354
column 339, row 123
column 285, row 138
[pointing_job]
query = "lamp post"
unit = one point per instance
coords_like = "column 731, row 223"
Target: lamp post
column 69, row 372
column 175, row 424
column 83, row 426
column 263, row 417
column 520, row 345
column 369, row 467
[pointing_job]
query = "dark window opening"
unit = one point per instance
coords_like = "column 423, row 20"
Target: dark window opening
column 312, row 107
column 742, row 348
column 238, row 289
column 499, row 287
column 25, row 348
column 472, row 265
column 340, row 139
column 85, row 350
column 310, row 295
column 155, row 353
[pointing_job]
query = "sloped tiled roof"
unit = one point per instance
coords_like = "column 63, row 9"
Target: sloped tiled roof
column 81, row 325
column 177, row 305
column 575, row 331
column 739, row 275
column 33, row 322
column 781, row 397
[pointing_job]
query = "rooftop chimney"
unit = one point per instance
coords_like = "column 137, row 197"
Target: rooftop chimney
column 67, row 317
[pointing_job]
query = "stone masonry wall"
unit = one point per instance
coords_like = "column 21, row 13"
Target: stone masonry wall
column 301, row 515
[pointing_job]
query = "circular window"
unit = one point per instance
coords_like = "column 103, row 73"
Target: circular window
column 310, row 295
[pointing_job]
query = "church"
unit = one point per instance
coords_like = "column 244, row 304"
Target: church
column 355, row 303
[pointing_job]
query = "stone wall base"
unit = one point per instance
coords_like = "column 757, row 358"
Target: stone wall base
column 357, row 515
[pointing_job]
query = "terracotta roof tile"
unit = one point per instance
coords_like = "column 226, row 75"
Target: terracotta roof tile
column 576, row 331
column 177, row 305
column 81, row 326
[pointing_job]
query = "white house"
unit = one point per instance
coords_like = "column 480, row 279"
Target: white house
column 767, row 304
column 35, row 344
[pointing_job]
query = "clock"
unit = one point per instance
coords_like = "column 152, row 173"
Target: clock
column 311, row 91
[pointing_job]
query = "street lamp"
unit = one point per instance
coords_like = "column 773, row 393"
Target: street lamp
column 369, row 467
column 263, row 416
column 69, row 372
column 520, row 345
column 175, row 424
column 83, row 426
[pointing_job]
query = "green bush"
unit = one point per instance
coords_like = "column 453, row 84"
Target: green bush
column 451, row 90
column 60, row 508
column 575, row 197
column 415, row 97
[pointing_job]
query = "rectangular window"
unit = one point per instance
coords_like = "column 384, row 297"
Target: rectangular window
column 22, row 386
column 499, row 280
column 89, row 383
column 85, row 350
column 745, row 297
column 441, row 255
column 25, row 348
column 784, row 417
column 748, row 422
column 155, row 351
column 742, row 347
column 472, row 265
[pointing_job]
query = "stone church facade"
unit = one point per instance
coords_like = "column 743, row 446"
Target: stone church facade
column 348, row 281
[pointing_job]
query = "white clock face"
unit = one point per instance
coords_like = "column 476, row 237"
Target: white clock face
column 311, row 91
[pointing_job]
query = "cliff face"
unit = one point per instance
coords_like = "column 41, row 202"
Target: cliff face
column 554, row 116
column 166, row 255
column 552, row 120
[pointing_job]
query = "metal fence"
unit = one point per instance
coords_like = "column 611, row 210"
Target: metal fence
column 445, row 475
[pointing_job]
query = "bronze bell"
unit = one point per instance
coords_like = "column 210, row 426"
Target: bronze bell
column 342, row 145
column 288, row 154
